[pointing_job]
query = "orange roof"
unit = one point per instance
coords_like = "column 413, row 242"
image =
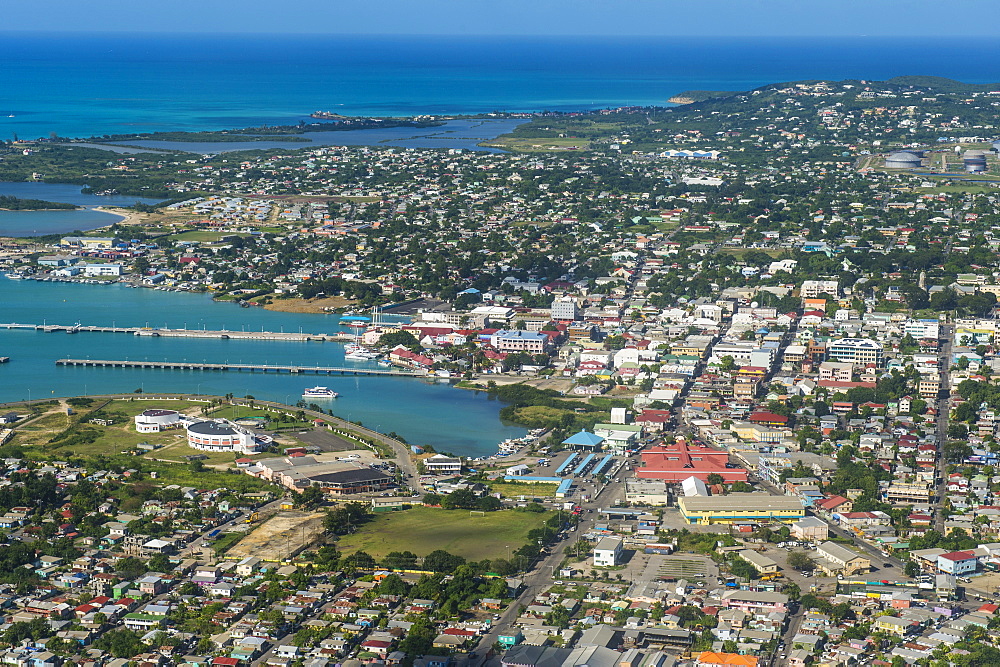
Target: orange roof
column 712, row 658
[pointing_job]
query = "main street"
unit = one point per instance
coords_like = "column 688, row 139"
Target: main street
column 541, row 576
column 946, row 334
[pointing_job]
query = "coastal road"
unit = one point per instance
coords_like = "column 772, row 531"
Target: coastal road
column 401, row 451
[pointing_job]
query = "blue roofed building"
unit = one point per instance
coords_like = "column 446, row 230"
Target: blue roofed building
column 584, row 441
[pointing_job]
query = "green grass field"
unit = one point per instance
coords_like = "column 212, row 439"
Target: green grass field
column 120, row 436
column 424, row 529
column 526, row 489
column 201, row 236
column 535, row 144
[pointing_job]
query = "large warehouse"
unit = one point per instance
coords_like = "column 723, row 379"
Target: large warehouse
column 739, row 508
column 337, row 478
column 677, row 462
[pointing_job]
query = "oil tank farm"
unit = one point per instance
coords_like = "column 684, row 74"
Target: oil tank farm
column 902, row 160
column 974, row 161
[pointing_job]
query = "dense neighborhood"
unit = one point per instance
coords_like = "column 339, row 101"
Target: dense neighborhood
column 756, row 338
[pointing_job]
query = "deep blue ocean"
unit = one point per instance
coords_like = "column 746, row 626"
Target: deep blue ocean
column 91, row 85
column 84, row 85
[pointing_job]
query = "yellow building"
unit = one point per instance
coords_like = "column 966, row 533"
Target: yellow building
column 893, row 626
column 739, row 508
column 756, row 432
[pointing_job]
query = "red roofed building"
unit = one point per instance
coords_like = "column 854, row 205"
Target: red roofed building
column 404, row 357
column 958, row 562
column 654, row 420
column 835, row 504
column 677, row 462
column 768, row 418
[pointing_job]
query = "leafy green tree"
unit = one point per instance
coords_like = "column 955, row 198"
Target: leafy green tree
column 358, row 560
column 440, row 560
column 130, row 567
column 392, row 585
column 121, row 643
column 799, row 560
column 310, row 497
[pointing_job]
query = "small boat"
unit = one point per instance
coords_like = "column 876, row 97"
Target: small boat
column 319, row 392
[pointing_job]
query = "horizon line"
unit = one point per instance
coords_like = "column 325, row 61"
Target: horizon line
column 686, row 36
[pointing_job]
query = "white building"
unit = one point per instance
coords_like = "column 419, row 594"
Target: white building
column 811, row 289
column 154, row 421
column 921, row 328
column 856, row 350
column 692, row 486
column 519, row 341
column 222, row 436
column 608, row 552
column 565, row 309
column 102, row 270
column 439, row 464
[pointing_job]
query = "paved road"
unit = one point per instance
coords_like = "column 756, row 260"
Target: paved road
column 541, row 576
column 947, row 334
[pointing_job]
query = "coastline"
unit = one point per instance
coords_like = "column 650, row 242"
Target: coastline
column 127, row 216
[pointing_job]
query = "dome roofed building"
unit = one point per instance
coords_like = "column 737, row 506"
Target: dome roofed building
column 902, row 160
column 223, row 436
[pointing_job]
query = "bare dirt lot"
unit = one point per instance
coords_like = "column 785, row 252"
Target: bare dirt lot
column 308, row 305
column 280, row 537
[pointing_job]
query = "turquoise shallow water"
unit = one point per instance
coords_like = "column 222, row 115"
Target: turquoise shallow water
column 83, row 85
column 424, row 412
column 36, row 223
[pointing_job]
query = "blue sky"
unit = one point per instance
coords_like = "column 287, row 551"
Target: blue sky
column 513, row 17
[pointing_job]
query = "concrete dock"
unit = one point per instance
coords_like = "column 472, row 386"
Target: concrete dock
column 261, row 368
column 224, row 334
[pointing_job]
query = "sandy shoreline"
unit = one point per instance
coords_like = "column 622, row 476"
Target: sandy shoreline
column 128, row 216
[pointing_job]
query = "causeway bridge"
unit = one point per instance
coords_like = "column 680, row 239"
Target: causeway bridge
column 261, row 368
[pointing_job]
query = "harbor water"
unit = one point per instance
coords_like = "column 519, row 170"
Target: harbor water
column 423, row 411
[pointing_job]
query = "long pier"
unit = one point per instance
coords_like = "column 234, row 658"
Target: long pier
column 263, row 368
column 223, row 334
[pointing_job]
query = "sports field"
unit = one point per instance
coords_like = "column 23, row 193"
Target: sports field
column 424, row 529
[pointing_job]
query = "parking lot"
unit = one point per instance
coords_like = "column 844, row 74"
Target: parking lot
column 326, row 441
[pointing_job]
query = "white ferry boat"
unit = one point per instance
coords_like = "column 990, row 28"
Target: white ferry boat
column 362, row 354
column 319, row 392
